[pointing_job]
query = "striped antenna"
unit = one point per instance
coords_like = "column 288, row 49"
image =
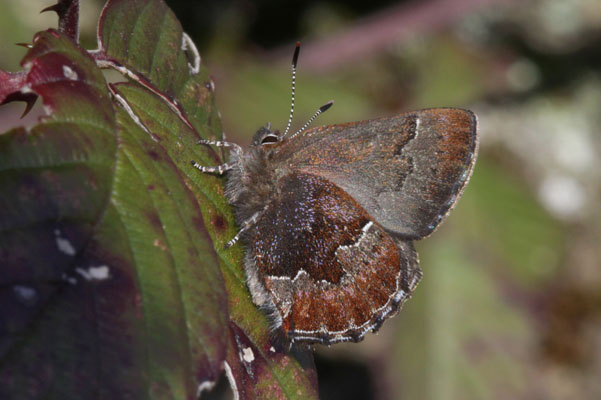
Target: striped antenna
column 321, row 109
column 294, row 61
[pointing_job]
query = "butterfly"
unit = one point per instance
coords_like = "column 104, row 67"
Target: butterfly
column 328, row 215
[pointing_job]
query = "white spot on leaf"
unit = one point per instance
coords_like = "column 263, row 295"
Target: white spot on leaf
column 159, row 244
column 64, row 245
column 99, row 273
column 69, row 73
column 26, row 89
column 248, row 355
column 25, row 294
column 70, row 279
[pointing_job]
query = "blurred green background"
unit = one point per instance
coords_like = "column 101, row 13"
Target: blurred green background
column 510, row 302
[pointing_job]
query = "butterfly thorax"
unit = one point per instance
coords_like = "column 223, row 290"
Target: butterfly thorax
column 253, row 179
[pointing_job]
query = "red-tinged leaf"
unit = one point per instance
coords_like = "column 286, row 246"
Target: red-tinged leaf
column 106, row 262
column 12, row 82
column 111, row 286
column 11, row 89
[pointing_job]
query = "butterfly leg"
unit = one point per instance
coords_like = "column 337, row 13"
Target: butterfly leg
column 245, row 226
column 223, row 139
column 221, row 143
column 220, row 169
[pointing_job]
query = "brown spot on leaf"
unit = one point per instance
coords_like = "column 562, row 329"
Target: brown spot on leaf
column 154, row 220
column 218, row 222
column 154, row 155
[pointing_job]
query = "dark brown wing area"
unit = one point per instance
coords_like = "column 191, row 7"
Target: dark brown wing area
column 333, row 274
column 303, row 226
column 406, row 171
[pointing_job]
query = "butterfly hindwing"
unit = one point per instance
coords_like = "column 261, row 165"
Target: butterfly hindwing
column 332, row 272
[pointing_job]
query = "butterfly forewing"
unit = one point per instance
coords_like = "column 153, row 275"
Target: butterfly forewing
column 406, row 171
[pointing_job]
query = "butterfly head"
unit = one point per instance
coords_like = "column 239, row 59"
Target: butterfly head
column 264, row 136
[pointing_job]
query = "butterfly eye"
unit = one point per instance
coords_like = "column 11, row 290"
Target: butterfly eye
column 270, row 138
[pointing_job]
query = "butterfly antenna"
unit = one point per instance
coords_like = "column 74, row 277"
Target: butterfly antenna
column 294, row 61
column 321, row 109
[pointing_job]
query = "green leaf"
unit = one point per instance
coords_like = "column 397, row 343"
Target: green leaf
column 114, row 281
